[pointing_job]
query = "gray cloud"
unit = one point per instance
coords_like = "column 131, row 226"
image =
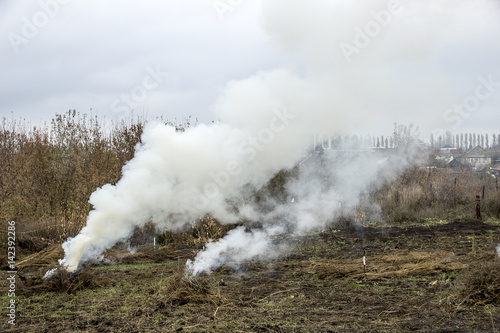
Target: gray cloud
column 89, row 53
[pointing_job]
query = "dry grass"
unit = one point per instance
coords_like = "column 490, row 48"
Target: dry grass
column 480, row 284
column 182, row 289
column 408, row 287
column 200, row 232
column 62, row 281
column 48, row 172
column 397, row 265
column 419, row 194
column 43, row 259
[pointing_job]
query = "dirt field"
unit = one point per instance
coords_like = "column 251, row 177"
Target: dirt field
column 441, row 277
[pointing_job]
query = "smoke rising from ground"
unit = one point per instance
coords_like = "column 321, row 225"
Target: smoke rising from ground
column 267, row 121
column 237, row 247
column 329, row 185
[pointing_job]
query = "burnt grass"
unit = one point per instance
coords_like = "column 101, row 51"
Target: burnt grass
column 442, row 277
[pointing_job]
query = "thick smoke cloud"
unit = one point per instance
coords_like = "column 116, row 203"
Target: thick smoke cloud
column 329, row 185
column 362, row 65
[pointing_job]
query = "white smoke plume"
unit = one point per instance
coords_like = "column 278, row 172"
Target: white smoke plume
column 362, row 65
column 235, row 248
column 329, row 184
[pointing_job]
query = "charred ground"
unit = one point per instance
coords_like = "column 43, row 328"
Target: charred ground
column 442, row 277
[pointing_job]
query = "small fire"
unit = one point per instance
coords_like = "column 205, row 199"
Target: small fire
column 70, row 279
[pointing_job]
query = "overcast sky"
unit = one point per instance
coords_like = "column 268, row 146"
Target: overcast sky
column 174, row 58
column 91, row 53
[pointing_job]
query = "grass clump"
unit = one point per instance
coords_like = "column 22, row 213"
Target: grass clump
column 182, row 289
column 480, row 284
column 60, row 280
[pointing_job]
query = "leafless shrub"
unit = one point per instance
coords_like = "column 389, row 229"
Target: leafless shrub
column 48, row 172
column 480, row 284
column 418, row 194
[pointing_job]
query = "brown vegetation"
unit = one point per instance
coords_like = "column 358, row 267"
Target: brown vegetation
column 480, row 284
column 182, row 289
column 421, row 193
column 437, row 277
column 48, row 173
column 424, row 275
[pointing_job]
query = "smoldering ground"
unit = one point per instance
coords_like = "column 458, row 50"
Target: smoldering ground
column 268, row 121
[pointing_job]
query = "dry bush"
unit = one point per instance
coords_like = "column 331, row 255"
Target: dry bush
column 63, row 281
column 200, row 232
column 48, row 173
column 176, row 239
column 480, row 284
column 418, row 194
column 143, row 235
column 68, row 282
column 491, row 206
column 208, row 228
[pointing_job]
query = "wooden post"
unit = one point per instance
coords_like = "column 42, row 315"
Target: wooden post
column 364, row 261
column 432, row 195
column 478, row 208
column 473, row 242
column 484, row 188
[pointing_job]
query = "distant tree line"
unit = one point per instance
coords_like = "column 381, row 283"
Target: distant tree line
column 465, row 141
column 402, row 136
column 406, row 135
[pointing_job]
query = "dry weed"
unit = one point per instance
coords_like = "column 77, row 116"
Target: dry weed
column 480, row 284
column 182, row 288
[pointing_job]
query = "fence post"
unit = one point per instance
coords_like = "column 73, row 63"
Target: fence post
column 478, row 208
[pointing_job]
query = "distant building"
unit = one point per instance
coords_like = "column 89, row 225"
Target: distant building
column 476, row 158
column 447, row 150
column 495, row 169
column 455, row 164
column 446, row 155
column 494, row 153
